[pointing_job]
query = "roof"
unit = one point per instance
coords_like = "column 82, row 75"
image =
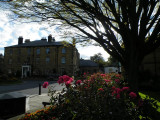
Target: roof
column 38, row 43
column 88, row 63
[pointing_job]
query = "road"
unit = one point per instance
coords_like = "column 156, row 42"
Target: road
column 29, row 87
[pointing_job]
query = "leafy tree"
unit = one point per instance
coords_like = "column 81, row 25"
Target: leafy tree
column 98, row 58
column 112, row 61
column 108, row 22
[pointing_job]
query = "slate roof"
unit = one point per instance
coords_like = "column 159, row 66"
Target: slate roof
column 88, row 63
column 38, row 43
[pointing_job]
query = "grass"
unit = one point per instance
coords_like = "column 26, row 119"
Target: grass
column 151, row 95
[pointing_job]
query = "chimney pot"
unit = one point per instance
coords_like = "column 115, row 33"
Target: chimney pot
column 50, row 38
column 20, row 40
column 27, row 40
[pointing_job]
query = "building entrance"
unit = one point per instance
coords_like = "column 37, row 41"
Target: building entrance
column 26, row 71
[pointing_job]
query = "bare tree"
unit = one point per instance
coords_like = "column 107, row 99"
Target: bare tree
column 135, row 23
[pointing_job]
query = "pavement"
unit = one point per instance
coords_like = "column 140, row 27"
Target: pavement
column 31, row 90
column 33, row 103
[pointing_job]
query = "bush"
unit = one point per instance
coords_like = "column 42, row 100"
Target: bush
column 98, row 96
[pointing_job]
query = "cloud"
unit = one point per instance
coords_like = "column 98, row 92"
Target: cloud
column 10, row 31
column 87, row 51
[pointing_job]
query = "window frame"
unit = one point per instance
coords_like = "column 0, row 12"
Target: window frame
column 38, row 51
column 63, row 50
column 63, row 60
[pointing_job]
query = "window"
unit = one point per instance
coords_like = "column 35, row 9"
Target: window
column 10, row 61
column 28, row 59
column 29, row 51
column 37, row 60
column 47, row 50
column 47, row 59
column 10, row 51
column 63, row 50
column 63, row 60
column 38, row 51
column 19, row 51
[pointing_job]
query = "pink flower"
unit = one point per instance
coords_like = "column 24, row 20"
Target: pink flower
column 78, row 82
column 103, row 75
column 60, row 80
column 118, row 90
column 68, row 83
column 118, row 75
column 45, row 84
column 132, row 95
column 117, row 80
column 84, row 73
column 125, row 89
column 118, row 96
column 107, row 81
column 113, row 93
column 113, row 88
column 64, row 78
column 100, row 89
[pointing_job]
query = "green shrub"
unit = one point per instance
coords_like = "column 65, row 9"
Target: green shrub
column 98, row 96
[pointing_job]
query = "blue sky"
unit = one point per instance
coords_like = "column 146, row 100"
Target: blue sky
column 10, row 31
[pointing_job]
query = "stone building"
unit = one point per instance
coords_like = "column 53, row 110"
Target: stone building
column 1, row 64
column 88, row 66
column 41, row 58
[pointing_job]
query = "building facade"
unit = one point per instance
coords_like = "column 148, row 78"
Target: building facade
column 1, row 64
column 41, row 58
column 88, row 66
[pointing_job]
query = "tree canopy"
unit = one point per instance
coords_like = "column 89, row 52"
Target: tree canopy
column 135, row 23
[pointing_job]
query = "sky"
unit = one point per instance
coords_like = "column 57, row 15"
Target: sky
column 10, row 31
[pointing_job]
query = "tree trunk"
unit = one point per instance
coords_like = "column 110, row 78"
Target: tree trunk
column 132, row 72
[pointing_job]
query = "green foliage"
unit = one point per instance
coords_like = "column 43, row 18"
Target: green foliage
column 112, row 62
column 98, row 58
column 98, row 96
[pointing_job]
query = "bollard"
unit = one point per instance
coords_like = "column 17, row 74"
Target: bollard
column 39, row 88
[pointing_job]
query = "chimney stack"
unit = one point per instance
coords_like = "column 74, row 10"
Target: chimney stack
column 50, row 38
column 27, row 40
column 53, row 39
column 20, row 40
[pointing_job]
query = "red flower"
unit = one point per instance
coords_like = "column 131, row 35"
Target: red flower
column 118, row 75
column 68, row 83
column 103, row 75
column 100, row 89
column 114, row 92
column 118, row 90
column 132, row 95
column 125, row 88
column 113, row 88
column 117, row 80
column 78, row 82
column 45, row 84
column 118, row 96
column 60, row 80
column 107, row 81
column 53, row 118
column 65, row 79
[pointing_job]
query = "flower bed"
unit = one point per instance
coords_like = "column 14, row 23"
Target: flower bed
column 97, row 96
